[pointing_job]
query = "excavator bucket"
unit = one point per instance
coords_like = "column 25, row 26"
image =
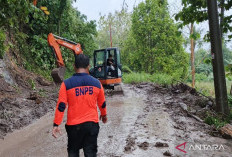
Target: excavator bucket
column 58, row 74
column 118, row 90
column 114, row 90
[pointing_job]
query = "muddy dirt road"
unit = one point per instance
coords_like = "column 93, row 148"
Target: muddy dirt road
column 148, row 121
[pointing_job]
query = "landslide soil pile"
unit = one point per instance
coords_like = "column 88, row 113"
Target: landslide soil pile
column 23, row 99
column 171, row 116
column 180, row 101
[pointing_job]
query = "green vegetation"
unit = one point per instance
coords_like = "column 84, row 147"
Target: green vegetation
column 219, row 120
column 42, row 93
column 196, row 11
column 136, row 77
column 148, row 38
column 205, row 87
column 215, row 120
column 148, row 47
column 152, row 47
column 162, row 79
column 126, row 69
column 2, row 45
column 120, row 24
column 28, row 29
column 32, row 84
column 151, row 44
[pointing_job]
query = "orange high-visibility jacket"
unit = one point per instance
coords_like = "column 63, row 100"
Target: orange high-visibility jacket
column 81, row 93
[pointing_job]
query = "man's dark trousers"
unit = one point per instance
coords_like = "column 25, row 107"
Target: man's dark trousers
column 82, row 136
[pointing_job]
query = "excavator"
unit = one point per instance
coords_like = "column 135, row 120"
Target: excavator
column 110, row 77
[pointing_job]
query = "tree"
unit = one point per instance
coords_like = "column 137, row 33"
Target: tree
column 120, row 23
column 68, row 22
column 192, row 54
column 193, row 39
column 30, row 26
column 154, row 44
column 196, row 11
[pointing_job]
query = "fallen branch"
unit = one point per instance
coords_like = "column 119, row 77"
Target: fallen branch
column 195, row 117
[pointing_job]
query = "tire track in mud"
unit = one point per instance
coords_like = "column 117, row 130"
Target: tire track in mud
column 152, row 131
column 122, row 113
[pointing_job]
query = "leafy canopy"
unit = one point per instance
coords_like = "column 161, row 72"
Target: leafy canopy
column 196, row 11
column 120, row 23
column 27, row 27
column 154, row 44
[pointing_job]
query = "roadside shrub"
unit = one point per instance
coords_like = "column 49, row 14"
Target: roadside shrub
column 136, row 77
column 126, row 69
column 163, row 79
column 216, row 119
column 41, row 53
column 217, row 122
column 206, row 88
column 200, row 77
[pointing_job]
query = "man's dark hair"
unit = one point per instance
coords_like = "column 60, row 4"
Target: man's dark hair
column 110, row 55
column 81, row 61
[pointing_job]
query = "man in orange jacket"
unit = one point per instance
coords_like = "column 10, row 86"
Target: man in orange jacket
column 81, row 93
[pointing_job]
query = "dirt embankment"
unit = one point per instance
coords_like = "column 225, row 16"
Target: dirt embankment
column 24, row 96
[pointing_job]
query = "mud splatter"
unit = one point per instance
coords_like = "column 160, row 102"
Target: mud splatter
column 161, row 144
column 144, row 145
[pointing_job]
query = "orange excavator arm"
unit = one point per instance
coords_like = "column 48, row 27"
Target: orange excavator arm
column 55, row 42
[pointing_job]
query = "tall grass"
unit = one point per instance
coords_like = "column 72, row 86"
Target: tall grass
column 207, row 87
column 133, row 77
column 136, row 77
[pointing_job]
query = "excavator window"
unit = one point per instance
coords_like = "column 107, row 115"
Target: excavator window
column 119, row 65
column 99, row 64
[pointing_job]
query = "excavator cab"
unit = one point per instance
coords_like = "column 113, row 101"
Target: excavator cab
column 107, row 67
